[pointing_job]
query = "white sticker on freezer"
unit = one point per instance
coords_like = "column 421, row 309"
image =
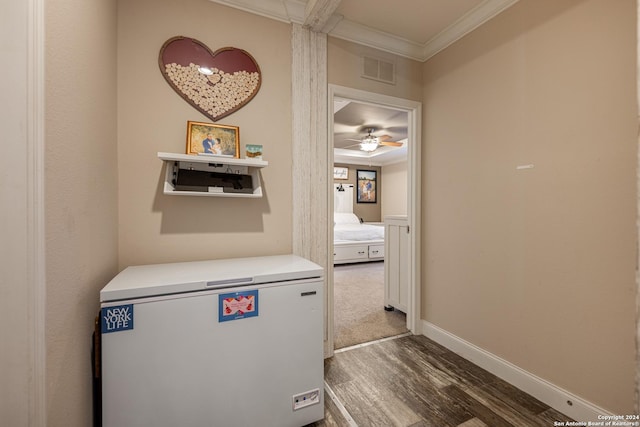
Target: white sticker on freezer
column 117, row 318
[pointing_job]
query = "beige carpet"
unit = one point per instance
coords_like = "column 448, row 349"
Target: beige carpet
column 359, row 313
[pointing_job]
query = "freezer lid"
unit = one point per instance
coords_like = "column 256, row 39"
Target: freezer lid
column 164, row 279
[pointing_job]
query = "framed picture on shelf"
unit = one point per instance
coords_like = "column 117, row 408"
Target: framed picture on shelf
column 367, row 186
column 340, row 173
column 214, row 140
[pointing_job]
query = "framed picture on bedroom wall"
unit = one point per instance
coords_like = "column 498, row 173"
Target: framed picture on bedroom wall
column 340, row 172
column 367, row 186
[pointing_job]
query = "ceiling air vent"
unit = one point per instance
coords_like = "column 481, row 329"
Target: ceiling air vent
column 379, row 70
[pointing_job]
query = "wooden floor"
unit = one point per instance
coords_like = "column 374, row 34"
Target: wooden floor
column 412, row 381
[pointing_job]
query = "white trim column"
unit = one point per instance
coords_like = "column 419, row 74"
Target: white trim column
column 22, row 257
column 36, row 209
column 310, row 151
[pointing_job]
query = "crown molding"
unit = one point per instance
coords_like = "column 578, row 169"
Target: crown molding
column 272, row 9
column 367, row 36
column 463, row 26
column 293, row 11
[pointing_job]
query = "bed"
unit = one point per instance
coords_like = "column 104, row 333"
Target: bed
column 354, row 241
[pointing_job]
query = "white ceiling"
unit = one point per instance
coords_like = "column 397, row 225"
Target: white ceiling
column 416, row 20
column 415, row 29
column 354, row 120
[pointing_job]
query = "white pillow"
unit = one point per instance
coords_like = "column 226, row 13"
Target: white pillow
column 345, row 218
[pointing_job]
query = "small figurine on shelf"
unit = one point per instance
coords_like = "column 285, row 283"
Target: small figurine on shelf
column 254, row 151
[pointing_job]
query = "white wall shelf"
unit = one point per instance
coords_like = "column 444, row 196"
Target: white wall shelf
column 190, row 175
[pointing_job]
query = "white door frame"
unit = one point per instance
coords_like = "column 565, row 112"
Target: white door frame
column 414, row 111
column 24, row 362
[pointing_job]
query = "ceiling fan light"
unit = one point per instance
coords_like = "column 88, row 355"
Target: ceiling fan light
column 369, row 143
column 368, row 146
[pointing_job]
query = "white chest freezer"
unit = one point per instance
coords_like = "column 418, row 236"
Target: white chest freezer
column 219, row 343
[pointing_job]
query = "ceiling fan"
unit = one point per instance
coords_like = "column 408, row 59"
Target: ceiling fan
column 371, row 142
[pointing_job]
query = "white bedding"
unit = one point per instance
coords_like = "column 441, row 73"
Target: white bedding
column 357, row 232
column 347, row 227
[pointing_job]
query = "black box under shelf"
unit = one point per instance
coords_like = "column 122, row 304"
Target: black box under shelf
column 194, row 180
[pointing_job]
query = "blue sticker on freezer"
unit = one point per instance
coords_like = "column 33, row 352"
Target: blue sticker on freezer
column 117, row 318
column 237, row 305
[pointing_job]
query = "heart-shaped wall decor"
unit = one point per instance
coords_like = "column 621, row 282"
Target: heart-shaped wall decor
column 215, row 83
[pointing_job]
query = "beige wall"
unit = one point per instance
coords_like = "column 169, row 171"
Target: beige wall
column 81, row 194
column 537, row 265
column 152, row 117
column 344, row 62
column 368, row 212
column 394, row 189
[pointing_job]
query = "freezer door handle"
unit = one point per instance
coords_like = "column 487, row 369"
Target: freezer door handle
column 225, row 283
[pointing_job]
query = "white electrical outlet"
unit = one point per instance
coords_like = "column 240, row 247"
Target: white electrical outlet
column 305, row 399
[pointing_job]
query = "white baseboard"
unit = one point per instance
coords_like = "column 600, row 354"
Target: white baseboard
column 554, row 396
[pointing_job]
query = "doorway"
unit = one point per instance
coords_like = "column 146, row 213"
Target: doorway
column 412, row 111
column 370, row 183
